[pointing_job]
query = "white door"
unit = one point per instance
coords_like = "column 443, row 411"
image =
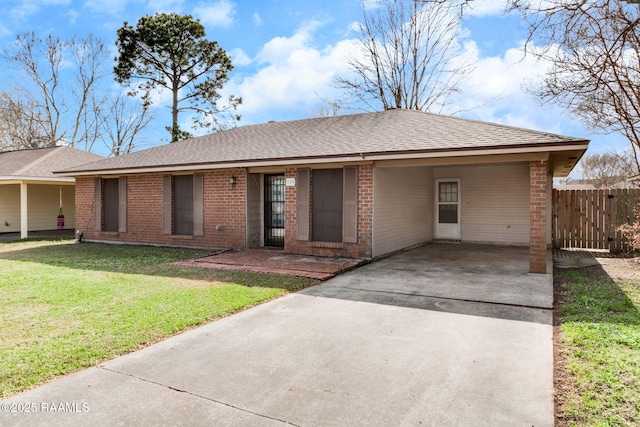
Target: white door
column 448, row 209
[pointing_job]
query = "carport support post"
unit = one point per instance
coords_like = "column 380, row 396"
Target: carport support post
column 24, row 226
column 538, row 187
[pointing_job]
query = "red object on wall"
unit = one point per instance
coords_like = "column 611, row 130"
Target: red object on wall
column 60, row 220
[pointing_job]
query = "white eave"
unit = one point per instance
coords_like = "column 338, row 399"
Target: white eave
column 12, row 179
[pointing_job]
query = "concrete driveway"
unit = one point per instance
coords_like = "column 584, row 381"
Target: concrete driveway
column 381, row 345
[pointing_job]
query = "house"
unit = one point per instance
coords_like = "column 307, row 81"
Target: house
column 30, row 195
column 361, row 185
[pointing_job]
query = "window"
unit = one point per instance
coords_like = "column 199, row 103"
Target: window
column 326, row 205
column 111, row 204
column 448, row 202
column 183, row 205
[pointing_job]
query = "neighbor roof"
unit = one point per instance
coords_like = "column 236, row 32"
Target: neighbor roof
column 42, row 162
column 343, row 138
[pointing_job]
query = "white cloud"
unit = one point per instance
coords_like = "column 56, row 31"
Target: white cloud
column 220, row 14
column 257, row 19
column 292, row 75
column 495, row 92
column 355, row 26
column 239, row 57
column 486, row 7
column 278, row 49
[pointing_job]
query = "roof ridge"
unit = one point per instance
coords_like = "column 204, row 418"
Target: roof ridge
column 37, row 161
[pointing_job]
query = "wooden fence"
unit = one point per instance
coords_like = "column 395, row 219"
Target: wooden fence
column 589, row 218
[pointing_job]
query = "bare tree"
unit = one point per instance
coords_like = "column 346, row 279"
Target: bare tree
column 62, row 95
column 327, row 108
column 58, row 80
column 605, row 170
column 593, row 47
column 20, row 125
column 409, row 56
column 123, row 123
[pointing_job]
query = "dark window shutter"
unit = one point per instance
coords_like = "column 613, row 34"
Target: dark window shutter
column 166, row 205
column 122, row 205
column 350, row 205
column 110, row 204
column 326, row 204
column 183, row 205
column 198, row 204
column 97, row 193
column 302, row 205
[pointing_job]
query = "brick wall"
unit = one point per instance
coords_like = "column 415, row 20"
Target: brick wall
column 361, row 249
column 224, row 205
column 538, row 187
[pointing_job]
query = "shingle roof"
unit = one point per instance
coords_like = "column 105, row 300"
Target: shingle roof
column 42, row 162
column 392, row 131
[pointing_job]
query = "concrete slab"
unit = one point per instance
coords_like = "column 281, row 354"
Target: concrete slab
column 308, row 360
column 99, row 397
column 329, row 355
column 466, row 272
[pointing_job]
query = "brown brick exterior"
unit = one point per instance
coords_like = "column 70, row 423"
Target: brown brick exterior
column 224, row 204
column 538, row 183
column 361, row 249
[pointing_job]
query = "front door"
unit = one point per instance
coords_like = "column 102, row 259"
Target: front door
column 448, row 209
column 274, row 210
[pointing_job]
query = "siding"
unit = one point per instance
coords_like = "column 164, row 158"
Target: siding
column 43, row 203
column 494, row 202
column 10, row 208
column 403, row 208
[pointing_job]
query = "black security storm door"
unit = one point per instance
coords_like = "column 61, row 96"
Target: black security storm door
column 274, row 210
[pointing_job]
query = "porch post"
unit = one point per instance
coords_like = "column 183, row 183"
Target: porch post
column 24, row 225
column 538, row 187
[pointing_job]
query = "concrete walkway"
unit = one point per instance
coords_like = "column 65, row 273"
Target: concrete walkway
column 332, row 354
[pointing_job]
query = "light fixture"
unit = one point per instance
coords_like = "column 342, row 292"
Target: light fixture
column 233, row 180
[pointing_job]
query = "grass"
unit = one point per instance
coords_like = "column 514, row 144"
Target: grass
column 600, row 338
column 66, row 306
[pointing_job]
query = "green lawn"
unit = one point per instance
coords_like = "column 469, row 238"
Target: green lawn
column 600, row 336
column 66, row 306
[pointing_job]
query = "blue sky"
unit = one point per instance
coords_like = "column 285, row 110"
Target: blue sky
column 287, row 52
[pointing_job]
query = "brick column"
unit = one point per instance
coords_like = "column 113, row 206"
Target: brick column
column 538, row 183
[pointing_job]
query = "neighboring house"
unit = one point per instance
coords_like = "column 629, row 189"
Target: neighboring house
column 361, row 185
column 29, row 192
